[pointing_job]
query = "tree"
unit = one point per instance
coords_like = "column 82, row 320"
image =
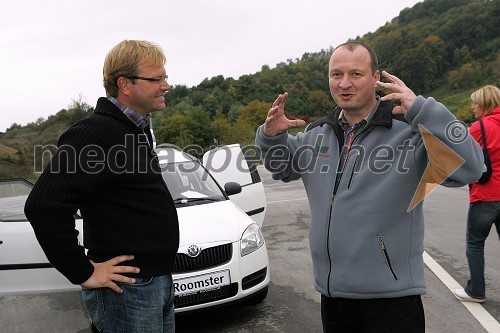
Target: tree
column 199, row 125
column 253, row 114
column 468, row 75
column 176, row 94
column 210, row 104
column 174, row 129
column 461, row 56
column 465, row 114
column 14, row 126
column 320, row 103
column 192, row 127
column 221, row 129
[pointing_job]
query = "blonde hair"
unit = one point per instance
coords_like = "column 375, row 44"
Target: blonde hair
column 124, row 58
column 488, row 98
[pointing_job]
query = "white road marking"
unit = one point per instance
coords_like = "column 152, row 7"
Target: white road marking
column 476, row 309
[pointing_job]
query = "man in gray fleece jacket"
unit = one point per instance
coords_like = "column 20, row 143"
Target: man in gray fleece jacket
column 361, row 167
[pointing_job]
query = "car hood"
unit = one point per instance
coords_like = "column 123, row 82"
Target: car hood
column 212, row 223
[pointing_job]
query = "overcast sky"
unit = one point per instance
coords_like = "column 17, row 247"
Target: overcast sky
column 52, row 51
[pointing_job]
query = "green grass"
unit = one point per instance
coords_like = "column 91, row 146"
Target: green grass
column 454, row 101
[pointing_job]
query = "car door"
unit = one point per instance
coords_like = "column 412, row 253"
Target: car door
column 236, row 163
column 23, row 265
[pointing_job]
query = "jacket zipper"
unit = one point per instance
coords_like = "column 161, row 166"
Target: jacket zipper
column 386, row 256
column 337, row 182
column 338, row 176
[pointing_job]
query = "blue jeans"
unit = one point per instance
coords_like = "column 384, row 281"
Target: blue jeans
column 389, row 315
column 147, row 306
column 482, row 215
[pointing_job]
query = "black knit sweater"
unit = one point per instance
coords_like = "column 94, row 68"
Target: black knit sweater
column 105, row 167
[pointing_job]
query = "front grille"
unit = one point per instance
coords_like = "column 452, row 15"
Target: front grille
column 254, row 279
column 208, row 258
column 209, row 296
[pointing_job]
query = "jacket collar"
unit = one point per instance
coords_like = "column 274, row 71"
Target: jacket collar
column 107, row 108
column 382, row 117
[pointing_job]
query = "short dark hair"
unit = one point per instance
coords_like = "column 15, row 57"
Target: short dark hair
column 351, row 45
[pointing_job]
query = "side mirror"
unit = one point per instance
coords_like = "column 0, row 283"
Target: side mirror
column 232, row 188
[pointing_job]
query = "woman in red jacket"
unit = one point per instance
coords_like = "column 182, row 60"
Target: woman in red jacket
column 484, row 210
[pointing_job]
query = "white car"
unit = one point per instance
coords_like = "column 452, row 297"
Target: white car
column 222, row 256
column 24, row 268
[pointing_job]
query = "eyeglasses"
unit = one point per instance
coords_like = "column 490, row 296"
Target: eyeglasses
column 157, row 80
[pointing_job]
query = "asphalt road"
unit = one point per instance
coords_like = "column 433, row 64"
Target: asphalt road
column 292, row 304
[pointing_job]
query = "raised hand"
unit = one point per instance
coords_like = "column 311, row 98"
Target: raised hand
column 106, row 273
column 400, row 92
column 276, row 121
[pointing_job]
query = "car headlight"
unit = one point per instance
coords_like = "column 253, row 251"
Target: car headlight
column 251, row 239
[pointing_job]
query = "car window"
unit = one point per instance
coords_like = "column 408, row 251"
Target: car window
column 13, row 194
column 190, row 180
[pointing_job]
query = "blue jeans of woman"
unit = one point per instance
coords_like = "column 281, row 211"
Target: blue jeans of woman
column 482, row 215
column 388, row 315
column 147, row 306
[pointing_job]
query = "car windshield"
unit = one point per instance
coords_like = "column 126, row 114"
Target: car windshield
column 188, row 181
column 13, row 194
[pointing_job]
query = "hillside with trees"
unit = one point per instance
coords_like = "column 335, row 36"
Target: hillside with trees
column 440, row 48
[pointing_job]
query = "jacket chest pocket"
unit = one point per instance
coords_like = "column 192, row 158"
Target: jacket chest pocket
column 355, row 168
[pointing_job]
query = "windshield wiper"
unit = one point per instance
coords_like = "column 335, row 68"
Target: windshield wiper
column 186, row 200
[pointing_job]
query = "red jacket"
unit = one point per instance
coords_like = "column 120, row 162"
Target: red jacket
column 491, row 190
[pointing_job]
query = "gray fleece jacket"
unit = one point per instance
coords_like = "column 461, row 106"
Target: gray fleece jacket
column 365, row 242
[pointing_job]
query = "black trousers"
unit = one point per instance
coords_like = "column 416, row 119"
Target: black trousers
column 401, row 315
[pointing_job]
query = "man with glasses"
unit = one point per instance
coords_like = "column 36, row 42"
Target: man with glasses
column 105, row 167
